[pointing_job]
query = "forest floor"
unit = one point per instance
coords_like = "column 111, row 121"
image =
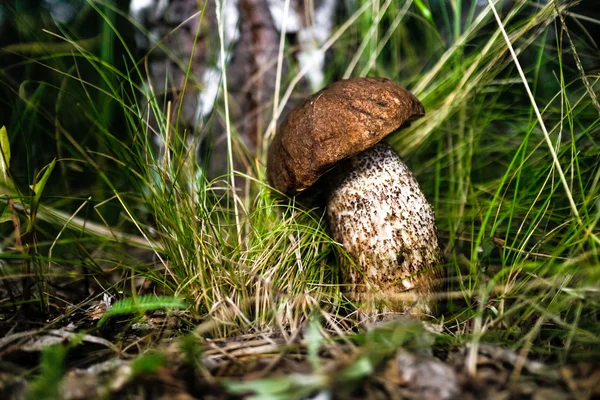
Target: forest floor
column 393, row 360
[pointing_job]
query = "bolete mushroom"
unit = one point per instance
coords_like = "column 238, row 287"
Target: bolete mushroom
column 375, row 208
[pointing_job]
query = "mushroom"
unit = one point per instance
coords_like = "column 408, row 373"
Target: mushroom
column 375, row 208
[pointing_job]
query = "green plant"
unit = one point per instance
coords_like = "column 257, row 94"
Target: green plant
column 141, row 304
column 47, row 385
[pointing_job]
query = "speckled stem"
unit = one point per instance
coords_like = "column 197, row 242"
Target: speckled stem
column 378, row 213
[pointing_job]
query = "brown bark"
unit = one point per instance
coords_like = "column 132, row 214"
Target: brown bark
column 260, row 39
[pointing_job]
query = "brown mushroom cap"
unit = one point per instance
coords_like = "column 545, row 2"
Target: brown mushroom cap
column 336, row 123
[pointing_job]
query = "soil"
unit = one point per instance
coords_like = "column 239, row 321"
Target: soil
column 176, row 365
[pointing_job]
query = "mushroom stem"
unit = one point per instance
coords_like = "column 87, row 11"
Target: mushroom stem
column 380, row 216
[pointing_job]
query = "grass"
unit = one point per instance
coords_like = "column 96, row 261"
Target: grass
column 508, row 153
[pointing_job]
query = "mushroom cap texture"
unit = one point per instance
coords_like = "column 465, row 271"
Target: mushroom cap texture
column 334, row 124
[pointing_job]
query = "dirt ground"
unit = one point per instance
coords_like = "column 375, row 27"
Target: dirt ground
column 279, row 366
